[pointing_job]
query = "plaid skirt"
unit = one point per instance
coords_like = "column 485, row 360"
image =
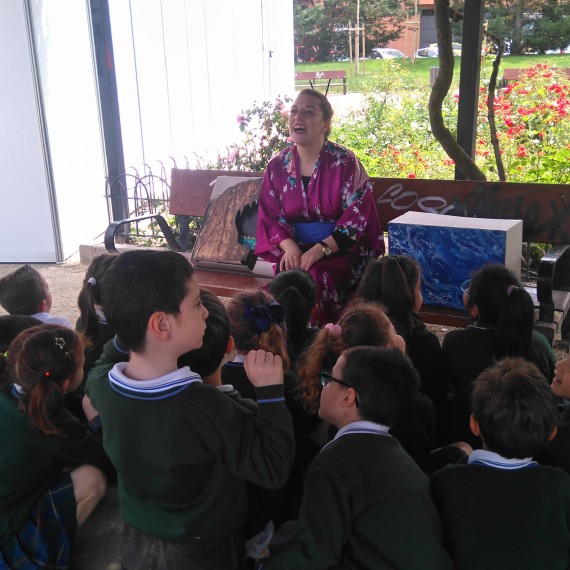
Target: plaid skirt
column 46, row 538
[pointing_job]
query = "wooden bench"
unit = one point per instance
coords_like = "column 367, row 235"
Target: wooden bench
column 513, row 73
column 544, row 209
column 319, row 79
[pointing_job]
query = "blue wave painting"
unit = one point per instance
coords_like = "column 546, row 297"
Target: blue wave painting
column 447, row 256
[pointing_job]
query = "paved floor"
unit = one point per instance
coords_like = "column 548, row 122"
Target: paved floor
column 98, row 540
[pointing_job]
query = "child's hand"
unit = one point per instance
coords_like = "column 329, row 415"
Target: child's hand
column 263, row 368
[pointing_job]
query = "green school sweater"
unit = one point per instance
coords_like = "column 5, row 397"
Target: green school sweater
column 498, row 519
column 182, row 460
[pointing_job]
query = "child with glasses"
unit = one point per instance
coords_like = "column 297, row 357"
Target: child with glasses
column 366, row 504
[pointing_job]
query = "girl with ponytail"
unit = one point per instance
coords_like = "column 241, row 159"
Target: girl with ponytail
column 503, row 314
column 53, row 470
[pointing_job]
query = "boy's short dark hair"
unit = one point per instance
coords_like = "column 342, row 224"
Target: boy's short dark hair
column 138, row 284
column 208, row 358
column 515, row 408
column 22, row 291
column 385, row 381
column 12, row 325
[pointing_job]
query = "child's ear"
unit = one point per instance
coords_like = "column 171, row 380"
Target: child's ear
column 349, row 398
column 231, row 345
column 473, row 311
column 474, row 425
column 159, row 325
column 44, row 307
column 553, row 434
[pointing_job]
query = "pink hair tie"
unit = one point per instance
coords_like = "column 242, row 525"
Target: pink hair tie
column 334, row 330
column 510, row 289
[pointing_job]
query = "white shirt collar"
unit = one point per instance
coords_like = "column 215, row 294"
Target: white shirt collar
column 492, row 459
column 360, row 426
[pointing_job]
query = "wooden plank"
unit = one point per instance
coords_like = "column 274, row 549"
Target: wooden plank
column 312, row 75
column 544, row 208
column 190, row 190
column 513, row 73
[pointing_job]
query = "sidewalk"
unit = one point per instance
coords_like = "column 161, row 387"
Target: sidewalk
column 98, row 541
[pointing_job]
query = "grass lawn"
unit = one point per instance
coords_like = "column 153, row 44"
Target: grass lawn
column 373, row 71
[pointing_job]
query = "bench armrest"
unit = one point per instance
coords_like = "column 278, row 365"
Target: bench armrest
column 112, row 228
column 553, row 275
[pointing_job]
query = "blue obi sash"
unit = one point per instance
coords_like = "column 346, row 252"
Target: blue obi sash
column 313, row 232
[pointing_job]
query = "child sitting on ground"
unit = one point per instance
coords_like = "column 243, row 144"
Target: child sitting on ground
column 503, row 510
column 26, row 292
column 296, row 291
column 503, row 326
column 257, row 321
column 366, row 504
column 53, row 470
column 182, row 449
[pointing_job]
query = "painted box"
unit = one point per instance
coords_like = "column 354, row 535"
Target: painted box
column 450, row 248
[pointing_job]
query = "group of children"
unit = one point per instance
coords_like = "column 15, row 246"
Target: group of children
column 222, row 422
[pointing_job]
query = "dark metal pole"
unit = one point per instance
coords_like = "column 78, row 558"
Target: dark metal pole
column 102, row 48
column 469, row 78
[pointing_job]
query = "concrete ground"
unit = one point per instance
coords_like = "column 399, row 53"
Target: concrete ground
column 98, row 541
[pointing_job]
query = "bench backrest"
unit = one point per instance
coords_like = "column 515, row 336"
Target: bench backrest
column 312, row 75
column 544, row 208
column 512, row 73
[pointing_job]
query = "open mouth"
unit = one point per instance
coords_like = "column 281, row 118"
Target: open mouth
column 299, row 130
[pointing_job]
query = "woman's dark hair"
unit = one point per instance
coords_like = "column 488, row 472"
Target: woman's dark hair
column 244, row 331
column 40, row 360
column 89, row 299
column 296, row 290
column 324, row 105
column 391, row 281
column 503, row 303
column 208, row 358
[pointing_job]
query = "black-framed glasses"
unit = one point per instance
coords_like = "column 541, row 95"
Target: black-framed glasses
column 327, row 378
column 465, row 289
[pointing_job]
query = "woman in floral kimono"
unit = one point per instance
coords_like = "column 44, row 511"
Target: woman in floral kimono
column 316, row 208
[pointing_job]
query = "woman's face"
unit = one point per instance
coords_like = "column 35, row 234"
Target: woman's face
column 306, row 121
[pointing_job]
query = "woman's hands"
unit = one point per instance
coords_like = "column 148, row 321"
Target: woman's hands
column 291, row 255
column 294, row 258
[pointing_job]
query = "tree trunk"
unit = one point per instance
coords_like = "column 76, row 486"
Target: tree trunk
column 439, row 91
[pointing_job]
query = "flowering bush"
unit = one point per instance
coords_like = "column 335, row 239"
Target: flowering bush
column 392, row 137
column 533, row 124
column 266, row 132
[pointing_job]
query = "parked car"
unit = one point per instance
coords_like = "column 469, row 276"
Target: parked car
column 427, row 52
column 386, row 53
column 432, row 50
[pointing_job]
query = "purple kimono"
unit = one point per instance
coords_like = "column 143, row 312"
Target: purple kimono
column 339, row 192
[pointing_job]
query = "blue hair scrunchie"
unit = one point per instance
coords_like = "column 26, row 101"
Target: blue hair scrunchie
column 264, row 315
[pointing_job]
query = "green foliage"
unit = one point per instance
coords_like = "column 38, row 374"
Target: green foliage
column 391, row 134
column 392, row 137
column 323, row 27
column 266, row 132
column 530, row 25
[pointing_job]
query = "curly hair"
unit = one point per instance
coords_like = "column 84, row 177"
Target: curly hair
column 362, row 324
